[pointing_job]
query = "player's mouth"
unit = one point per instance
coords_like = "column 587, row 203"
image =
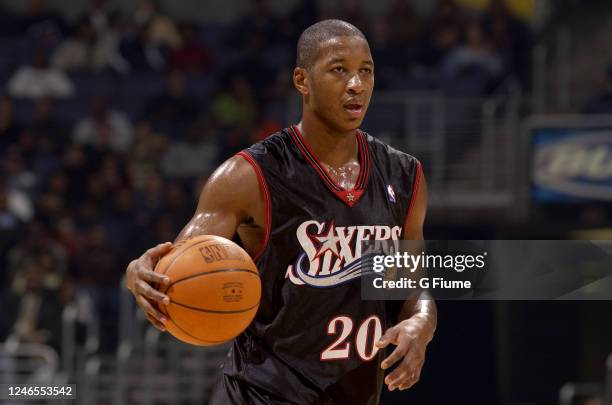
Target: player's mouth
column 354, row 109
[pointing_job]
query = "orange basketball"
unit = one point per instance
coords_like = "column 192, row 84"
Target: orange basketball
column 214, row 290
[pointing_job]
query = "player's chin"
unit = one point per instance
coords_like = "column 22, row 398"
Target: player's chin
column 344, row 122
column 351, row 124
column 353, row 121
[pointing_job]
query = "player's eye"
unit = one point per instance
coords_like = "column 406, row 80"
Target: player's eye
column 367, row 70
column 338, row 69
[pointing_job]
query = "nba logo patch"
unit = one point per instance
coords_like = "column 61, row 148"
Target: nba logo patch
column 390, row 193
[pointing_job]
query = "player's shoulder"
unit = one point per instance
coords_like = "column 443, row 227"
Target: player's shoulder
column 272, row 144
column 382, row 151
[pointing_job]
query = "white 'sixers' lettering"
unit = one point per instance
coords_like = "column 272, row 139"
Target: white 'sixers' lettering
column 332, row 254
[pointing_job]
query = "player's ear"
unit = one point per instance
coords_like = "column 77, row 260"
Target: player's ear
column 300, row 80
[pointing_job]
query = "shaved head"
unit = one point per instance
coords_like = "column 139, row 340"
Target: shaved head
column 313, row 36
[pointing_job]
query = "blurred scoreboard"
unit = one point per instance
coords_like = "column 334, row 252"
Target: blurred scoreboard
column 571, row 160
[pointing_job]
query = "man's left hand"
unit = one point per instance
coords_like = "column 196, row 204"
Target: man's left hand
column 410, row 337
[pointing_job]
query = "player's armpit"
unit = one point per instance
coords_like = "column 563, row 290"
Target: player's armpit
column 230, row 197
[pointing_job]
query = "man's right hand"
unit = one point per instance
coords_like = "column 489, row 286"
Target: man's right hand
column 231, row 195
column 140, row 275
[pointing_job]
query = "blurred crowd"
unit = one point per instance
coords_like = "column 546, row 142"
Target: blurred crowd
column 110, row 124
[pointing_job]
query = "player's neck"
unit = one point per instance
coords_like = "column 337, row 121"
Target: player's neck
column 332, row 148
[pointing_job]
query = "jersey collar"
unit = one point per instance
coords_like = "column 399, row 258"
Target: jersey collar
column 349, row 197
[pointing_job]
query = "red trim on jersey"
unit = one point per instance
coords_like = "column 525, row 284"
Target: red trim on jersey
column 415, row 190
column 267, row 202
column 364, row 175
column 308, row 155
column 341, row 193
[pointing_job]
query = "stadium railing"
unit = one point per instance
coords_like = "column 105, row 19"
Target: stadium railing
column 148, row 367
column 73, row 353
column 28, row 363
column 31, row 363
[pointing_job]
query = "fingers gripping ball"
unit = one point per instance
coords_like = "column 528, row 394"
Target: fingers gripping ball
column 214, row 290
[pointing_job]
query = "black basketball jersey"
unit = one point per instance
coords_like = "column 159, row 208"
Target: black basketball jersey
column 313, row 339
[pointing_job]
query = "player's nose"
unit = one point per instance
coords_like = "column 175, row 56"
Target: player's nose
column 354, row 85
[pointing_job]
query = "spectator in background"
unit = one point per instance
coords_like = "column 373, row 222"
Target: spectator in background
column 97, row 202
column 76, row 53
column 405, row 34
column 234, row 106
column 119, row 222
column 145, row 153
column 192, row 55
column 10, row 130
column 447, row 11
column 38, row 244
column 37, row 307
column 149, row 199
column 260, row 22
column 104, row 128
column 277, row 94
column 447, row 26
column 88, row 211
column 384, row 53
column 98, row 270
column 39, row 80
column 45, row 137
column 261, row 72
column 57, row 184
column 177, row 204
column 108, row 50
column 50, row 205
column 263, row 126
column 405, row 25
column 602, row 102
column 112, row 172
column 65, row 232
column 160, row 29
column 140, row 54
column 76, row 164
column 196, row 156
column 17, row 203
column 476, row 51
column 511, row 38
column 11, row 229
column 99, row 16
column 173, row 111
column 41, row 24
column 17, row 172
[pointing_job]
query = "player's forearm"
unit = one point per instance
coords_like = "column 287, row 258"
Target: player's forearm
column 423, row 311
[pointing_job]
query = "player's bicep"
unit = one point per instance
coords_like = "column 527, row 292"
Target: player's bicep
column 227, row 199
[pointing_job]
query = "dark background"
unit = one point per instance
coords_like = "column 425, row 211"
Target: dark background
column 113, row 115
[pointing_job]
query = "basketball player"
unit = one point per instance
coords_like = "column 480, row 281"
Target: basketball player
column 301, row 202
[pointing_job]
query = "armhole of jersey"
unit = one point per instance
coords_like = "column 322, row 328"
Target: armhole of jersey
column 415, row 190
column 267, row 203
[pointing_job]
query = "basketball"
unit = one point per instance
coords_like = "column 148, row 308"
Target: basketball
column 214, row 290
